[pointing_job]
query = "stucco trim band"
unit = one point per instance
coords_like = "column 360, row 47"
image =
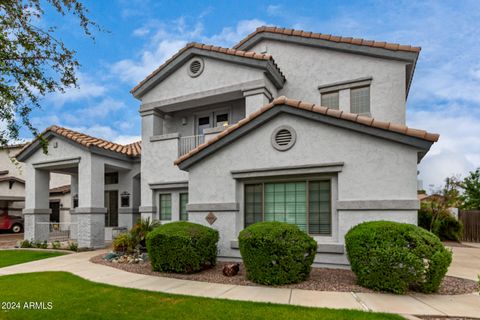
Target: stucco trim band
column 335, row 248
column 168, row 136
column 56, row 163
column 360, row 82
column 288, row 170
column 89, row 210
column 378, row 205
column 36, row 211
column 147, row 209
column 203, row 207
column 128, row 210
column 168, row 185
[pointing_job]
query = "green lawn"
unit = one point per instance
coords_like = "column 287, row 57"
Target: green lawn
column 11, row 257
column 76, row 298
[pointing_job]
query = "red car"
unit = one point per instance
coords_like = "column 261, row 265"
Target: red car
column 12, row 223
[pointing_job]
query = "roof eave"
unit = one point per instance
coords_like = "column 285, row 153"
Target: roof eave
column 405, row 56
column 422, row 145
column 269, row 66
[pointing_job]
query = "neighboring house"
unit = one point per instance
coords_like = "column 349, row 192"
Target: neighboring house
column 222, row 146
column 12, row 187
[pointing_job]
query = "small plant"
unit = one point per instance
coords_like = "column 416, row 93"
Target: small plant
column 26, row 244
column 141, row 229
column 56, row 244
column 182, row 247
column 40, row 244
column 73, row 246
column 124, row 243
column 276, row 253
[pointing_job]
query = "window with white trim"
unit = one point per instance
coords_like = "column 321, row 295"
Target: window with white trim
column 306, row 204
column 165, row 206
column 330, row 99
column 183, row 206
column 360, row 100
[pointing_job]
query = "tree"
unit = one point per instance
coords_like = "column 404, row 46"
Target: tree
column 33, row 61
column 471, row 191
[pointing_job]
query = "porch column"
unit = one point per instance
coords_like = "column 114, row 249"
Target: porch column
column 37, row 210
column 73, row 205
column 90, row 213
column 152, row 125
column 255, row 99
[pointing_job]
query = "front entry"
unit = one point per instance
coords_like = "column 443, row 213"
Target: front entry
column 111, row 203
column 55, row 215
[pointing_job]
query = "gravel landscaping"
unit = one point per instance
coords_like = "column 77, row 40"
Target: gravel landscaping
column 321, row 279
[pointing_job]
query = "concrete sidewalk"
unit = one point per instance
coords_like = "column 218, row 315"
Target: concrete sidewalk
column 459, row 305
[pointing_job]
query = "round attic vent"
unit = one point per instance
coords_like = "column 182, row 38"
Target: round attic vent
column 283, row 138
column 195, row 67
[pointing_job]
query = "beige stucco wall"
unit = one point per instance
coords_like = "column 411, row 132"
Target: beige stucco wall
column 374, row 169
column 306, row 68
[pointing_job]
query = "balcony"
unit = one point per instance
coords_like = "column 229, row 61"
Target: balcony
column 188, row 143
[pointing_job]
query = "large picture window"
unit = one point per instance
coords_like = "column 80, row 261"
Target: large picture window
column 165, row 207
column 306, row 204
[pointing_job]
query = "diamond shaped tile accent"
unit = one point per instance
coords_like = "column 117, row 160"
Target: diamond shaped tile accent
column 211, row 218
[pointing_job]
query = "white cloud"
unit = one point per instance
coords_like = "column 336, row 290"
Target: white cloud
column 168, row 38
column 274, row 9
column 87, row 88
column 104, row 108
column 231, row 35
column 127, row 139
column 133, row 71
column 140, row 32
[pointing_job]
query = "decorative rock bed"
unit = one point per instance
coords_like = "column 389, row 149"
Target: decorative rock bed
column 321, row 279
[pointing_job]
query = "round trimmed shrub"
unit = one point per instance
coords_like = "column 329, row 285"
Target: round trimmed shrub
column 276, row 253
column 182, row 247
column 394, row 257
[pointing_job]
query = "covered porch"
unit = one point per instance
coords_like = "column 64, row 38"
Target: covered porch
column 105, row 187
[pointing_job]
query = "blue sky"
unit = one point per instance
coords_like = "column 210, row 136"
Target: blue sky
column 445, row 95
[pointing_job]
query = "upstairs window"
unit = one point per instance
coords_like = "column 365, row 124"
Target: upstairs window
column 360, row 100
column 330, row 99
column 111, row 178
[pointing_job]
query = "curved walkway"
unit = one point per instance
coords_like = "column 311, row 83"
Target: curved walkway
column 467, row 305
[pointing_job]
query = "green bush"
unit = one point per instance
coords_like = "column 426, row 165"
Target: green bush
column 182, row 247
column 276, row 253
column 449, row 228
column 395, row 257
column 446, row 227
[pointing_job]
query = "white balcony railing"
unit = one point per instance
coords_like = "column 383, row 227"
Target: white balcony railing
column 189, row 142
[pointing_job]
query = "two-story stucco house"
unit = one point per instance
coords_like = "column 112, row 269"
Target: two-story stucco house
column 224, row 147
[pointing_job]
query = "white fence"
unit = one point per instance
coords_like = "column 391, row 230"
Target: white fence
column 189, row 142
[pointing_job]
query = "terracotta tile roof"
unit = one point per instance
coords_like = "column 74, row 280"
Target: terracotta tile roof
column 131, row 150
column 61, row 189
column 334, row 113
column 229, row 51
column 329, row 37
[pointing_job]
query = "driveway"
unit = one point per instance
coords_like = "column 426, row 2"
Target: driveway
column 9, row 240
column 466, row 262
